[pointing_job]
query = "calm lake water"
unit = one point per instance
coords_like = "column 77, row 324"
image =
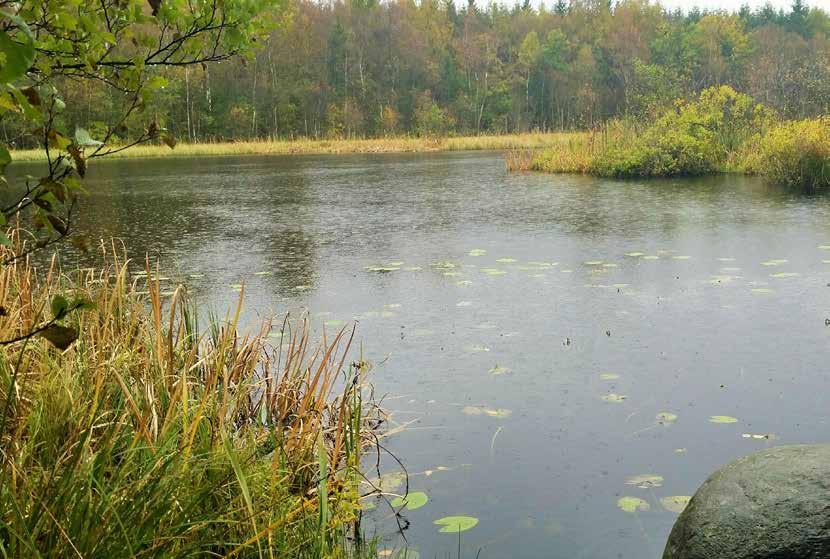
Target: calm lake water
column 534, row 330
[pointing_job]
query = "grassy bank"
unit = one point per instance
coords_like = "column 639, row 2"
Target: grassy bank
column 146, row 438
column 721, row 131
column 320, row 147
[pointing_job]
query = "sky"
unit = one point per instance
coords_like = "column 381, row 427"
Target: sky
column 735, row 4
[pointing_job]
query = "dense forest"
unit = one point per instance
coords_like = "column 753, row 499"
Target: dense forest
column 358, row 68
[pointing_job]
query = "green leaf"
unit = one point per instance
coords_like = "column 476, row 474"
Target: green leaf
column 18, row 56
column 411, row 501
column 5, row 158
column 60, row 336
column 82, row 138
column 59, row 306
column 456, row 524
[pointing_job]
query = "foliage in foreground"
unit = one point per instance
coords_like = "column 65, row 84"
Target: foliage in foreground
column 721, row 131
column 146, row 438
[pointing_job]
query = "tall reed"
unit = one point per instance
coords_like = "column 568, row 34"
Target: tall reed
column 148, row 437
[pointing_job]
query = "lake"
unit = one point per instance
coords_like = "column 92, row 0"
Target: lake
column 551, row 343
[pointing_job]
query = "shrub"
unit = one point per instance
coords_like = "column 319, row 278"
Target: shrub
column 693, row 139
column 794, row 154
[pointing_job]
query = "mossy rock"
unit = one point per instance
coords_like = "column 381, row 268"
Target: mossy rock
column 773, row 504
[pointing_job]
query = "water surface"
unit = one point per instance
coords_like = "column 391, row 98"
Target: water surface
column 718, row 310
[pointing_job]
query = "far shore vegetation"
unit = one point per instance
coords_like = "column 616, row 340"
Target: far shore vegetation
column 721, row 131
column 399, row 144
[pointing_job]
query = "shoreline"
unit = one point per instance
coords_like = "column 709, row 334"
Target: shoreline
column 335, row 147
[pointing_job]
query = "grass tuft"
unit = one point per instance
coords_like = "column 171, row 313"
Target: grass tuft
column 148, row 437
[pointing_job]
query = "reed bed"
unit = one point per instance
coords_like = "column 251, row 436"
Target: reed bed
column 571, row 153
column 147, row 437
column 322, row 147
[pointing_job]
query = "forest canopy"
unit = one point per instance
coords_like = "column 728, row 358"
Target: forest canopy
column 362, row 68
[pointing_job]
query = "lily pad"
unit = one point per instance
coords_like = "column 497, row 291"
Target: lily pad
column 414, row 500
column 760, row 437
column 456, row 524
column 633, row 504
column 666, row 417
column 493, row 271
column 722, row 419
column 645, row 481
column 675, row 503
column 500, row 413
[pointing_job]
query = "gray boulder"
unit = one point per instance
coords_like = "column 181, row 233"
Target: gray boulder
column 773, row 504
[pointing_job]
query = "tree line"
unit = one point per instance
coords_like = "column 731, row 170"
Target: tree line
column 358, row 68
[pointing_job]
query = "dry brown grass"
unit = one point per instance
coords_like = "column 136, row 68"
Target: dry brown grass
column 321, row 147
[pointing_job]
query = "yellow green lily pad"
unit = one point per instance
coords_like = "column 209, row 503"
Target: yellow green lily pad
column 675, row 503
column 412, row 501
column 633, row 504
column 645, row 481
column 722, row 419
column 456, row 524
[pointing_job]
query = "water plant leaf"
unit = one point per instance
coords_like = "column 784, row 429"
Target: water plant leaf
column 493, row 271
column 477, row 348
column 634, row 254
column 609, row 376
column 675, row 503
column 617, row 398
column 760, row 437
column 382, row 269
column 762, row 290
column 650, row 257
column 632, row 504
column 456, row 524
column 478, row 252
column 414, row 500
column 785, row 275
column 645, row 481
column 500, row 413
column 722, row 419
column 681, row 257
column 499, row 370
column 775, row 262
column 506, row 260
column 594, row 263
column 666, row 417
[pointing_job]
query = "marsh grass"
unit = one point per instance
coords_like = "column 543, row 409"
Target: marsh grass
column 570, row 153
column 311, row 147
column 148, row 437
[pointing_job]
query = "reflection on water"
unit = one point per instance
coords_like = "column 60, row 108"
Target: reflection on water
column 571, row 356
